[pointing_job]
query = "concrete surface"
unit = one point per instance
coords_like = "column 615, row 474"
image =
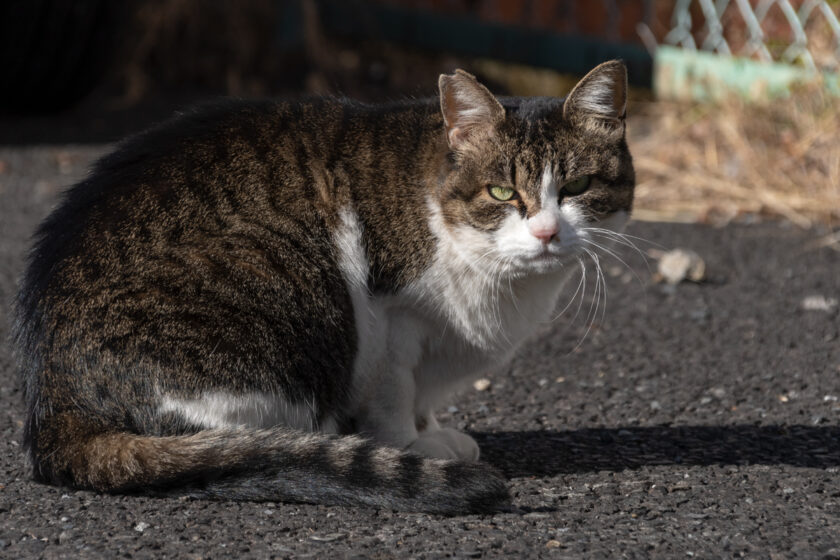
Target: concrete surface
column 701, row 420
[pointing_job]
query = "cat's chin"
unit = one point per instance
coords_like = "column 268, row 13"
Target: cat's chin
column 543, row 263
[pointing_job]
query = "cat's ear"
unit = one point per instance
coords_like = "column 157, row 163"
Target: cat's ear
column 469, row 109
column 599, row 100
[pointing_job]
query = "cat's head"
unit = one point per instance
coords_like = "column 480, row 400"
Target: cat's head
column 528, row 176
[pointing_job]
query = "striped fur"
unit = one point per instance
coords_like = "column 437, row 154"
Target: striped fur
column 267, row 300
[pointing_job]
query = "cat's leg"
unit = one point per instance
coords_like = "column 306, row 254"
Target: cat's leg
column 436, row 380
column 389, row 418
column 386, row 391
column 387, row 413
column 434, row 441
column 383, row 384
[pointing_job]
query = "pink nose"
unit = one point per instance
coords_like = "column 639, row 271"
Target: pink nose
column 544, row 234
column 544, row 226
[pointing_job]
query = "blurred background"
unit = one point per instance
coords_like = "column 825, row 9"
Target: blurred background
column 734, row 112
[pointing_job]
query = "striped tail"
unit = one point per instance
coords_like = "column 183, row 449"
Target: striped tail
column 279, row 464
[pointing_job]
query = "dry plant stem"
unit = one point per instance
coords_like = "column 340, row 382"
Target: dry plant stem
column 716, row 163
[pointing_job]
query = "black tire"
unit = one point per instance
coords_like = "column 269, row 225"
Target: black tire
column 53, row 52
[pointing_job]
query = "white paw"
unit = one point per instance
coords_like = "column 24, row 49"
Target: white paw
column 446, row 443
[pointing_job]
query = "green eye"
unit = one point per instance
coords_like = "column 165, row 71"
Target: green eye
column 501, row 193
column 578, row 186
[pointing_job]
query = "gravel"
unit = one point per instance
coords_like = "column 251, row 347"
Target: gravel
column 690, row 420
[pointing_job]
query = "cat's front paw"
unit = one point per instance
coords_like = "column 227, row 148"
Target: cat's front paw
column 446, row 443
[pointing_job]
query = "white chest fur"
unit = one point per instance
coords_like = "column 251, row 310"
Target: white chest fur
column 416, row 347
column 473, row 323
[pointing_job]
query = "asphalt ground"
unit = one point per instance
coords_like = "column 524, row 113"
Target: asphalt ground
column 701, row 420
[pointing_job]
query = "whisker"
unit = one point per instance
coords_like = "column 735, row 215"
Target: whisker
column 596, row 297
column 626, row 236
column 616, row 257
column 625, row 239
column 577, row 290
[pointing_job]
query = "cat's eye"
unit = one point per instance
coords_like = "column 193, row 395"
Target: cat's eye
column 501, row 193
column 578, row 186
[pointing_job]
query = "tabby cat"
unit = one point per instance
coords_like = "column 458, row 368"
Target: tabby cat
column 266, row 300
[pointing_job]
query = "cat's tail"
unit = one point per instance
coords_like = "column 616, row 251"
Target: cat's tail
column 277, row 464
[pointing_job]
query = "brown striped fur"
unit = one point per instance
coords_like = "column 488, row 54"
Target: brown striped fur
column 200, row 257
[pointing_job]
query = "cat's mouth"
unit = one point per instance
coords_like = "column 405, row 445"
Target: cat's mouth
column 545, row 255
column 546, row 259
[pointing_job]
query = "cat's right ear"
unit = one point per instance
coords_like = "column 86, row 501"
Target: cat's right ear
column 599, row 101
column 469, row 109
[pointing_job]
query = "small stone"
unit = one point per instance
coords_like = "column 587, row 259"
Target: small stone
column 698, row 314
column 832, row 554
column 64, row 536
column 142, row 526
column 552, row 544
column 327, row 538
column 818, row 303
column 481, row 384
column 681, row 264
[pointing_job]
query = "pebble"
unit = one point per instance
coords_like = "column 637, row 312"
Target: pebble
column 552, row 544
column 327, row 538
column 818, row 303
column 481, row 384
column 142, row 526
column 681, row 264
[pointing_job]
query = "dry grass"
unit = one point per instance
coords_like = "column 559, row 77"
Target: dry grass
column 715, row 163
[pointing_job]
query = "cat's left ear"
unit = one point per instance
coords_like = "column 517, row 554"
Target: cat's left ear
column 469, row 109
column 599, row 100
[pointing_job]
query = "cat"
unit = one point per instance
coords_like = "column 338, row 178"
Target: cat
column 267, row 300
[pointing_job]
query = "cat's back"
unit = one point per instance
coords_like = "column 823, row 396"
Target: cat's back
column 225, row 198
column 190, row 176
column 186, row 248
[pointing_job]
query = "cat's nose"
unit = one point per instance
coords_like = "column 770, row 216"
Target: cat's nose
column 544, row 235
column 544, row 227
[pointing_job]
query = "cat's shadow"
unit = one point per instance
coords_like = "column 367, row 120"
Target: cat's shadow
column 549, row 453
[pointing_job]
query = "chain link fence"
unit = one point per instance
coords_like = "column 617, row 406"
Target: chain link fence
column 805, row 32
